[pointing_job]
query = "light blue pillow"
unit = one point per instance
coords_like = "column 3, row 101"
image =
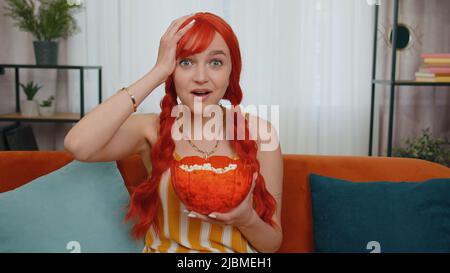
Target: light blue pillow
column 79, row 207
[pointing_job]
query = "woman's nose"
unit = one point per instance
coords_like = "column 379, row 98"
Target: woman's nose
column 201, row 74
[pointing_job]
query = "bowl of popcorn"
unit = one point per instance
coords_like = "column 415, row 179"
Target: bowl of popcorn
column 216, row 184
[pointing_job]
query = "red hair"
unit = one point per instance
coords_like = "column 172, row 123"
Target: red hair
column 144, row 204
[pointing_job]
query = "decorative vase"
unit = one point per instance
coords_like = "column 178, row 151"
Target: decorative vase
column 30, row 108
column 46, row 52
column 47, row 111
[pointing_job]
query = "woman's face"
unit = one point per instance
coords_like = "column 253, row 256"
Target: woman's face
column 204, row 76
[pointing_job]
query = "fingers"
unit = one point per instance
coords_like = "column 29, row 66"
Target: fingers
column 210, row 218
column 172, row 24
column 182, row 31
column 177, row 23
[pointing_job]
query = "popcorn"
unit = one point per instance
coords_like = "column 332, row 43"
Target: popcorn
column 208, row 167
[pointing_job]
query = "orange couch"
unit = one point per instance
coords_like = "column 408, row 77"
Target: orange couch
column 20, row 167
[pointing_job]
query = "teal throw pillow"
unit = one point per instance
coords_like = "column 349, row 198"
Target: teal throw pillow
column 380, row 216
column 77, row 208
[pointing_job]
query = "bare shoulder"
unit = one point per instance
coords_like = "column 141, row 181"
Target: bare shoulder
column 264, row 132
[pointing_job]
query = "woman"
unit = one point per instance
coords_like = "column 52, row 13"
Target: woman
column 199, row 61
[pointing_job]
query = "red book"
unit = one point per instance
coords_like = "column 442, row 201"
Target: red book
column 435, row 55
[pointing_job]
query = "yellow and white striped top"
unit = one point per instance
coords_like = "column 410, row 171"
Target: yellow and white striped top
column 180, row 233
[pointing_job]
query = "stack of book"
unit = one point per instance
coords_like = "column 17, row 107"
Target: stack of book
column 435, row 68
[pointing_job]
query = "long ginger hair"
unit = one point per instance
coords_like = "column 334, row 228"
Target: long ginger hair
column 145, row 202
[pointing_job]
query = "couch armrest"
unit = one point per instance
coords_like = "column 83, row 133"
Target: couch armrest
column 20, row 167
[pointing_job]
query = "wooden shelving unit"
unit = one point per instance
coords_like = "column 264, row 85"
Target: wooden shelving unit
column 393, row 82
column 57, row 117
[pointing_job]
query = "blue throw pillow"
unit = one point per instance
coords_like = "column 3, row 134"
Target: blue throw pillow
column 380, row 216
column 77, row 208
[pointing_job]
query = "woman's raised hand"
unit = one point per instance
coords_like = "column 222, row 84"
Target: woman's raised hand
column 166, row 61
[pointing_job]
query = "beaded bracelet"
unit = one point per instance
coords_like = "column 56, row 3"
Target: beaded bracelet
column 133, row 99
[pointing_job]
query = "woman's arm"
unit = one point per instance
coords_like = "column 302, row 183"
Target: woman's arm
column 100, row 125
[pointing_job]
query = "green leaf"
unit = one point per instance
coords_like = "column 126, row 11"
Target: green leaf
column 53, row 19
column 30, row 89
column 426, row 147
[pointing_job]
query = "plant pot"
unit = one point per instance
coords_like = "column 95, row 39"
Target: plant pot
column 46, row 111
column 29, row 108
column 46, row 52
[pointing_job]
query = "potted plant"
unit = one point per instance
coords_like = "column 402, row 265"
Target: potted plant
column 426, row 147
column 46, row 107
column 47, row 21
column 29, row 107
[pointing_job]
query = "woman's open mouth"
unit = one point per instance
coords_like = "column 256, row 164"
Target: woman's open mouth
column 202, row 94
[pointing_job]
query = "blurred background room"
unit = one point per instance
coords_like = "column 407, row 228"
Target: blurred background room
column 314, row 58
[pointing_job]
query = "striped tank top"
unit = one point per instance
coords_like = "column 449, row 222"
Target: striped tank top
column 181, row 234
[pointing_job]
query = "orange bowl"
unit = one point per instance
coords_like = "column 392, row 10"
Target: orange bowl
column 218, row 184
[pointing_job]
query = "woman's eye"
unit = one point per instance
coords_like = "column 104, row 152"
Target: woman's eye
column 186, row 62
column 182, row 62
column 217, row 62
